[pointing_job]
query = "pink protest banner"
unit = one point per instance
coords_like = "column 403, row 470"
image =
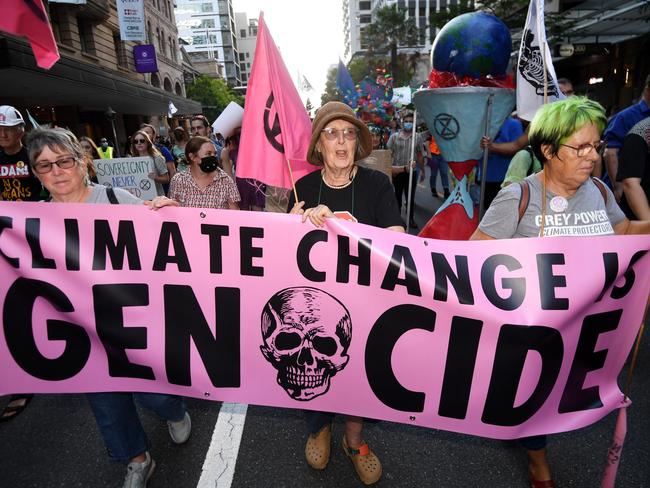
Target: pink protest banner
column 501, row 339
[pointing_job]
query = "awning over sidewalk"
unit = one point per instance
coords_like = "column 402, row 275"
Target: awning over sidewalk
column 73, row 82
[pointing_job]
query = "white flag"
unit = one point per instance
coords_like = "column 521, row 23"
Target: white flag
column 171, row 109
column 305, row 85
column 130, row 14
column 530, row 67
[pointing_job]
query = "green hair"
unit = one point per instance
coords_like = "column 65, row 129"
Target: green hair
column 555, row 122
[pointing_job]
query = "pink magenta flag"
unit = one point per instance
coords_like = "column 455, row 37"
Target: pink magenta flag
column 276, row 127
column 27, row 18
column 501, row 339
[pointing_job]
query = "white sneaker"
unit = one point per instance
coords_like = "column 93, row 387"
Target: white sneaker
column 180, row 431
column 137, row 474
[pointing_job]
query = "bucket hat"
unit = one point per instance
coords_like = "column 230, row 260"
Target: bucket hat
column 337, row 111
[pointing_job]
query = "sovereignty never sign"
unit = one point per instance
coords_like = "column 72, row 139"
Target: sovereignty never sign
column 130, row 174
column 499, row 339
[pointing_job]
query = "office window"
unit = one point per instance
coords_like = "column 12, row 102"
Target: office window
column 206, row 7
column 241, row 56
column 364, row 5
column 247, row 55
column 365, row 19
column 244, row 77
column 86, row 35
column 120, row 51
column 207, row 24
column 242, row 33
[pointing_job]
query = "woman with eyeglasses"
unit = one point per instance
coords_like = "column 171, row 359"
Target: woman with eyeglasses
column 561, row 200
column 141, row 145
column 90, row 153
column 57, row 159
column 341, row 189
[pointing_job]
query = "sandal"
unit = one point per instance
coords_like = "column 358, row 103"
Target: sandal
column 317, row 450
column 366, row 464
column 11, row 412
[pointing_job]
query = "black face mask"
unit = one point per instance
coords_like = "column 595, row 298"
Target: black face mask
column 209, row 164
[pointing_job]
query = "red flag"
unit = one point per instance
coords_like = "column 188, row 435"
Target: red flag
column 27, row 18
column 276, row 127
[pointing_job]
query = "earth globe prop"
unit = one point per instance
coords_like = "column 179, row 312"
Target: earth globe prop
column 472, row 46
column 475, row 44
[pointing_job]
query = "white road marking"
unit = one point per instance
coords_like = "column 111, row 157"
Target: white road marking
column 220, row 460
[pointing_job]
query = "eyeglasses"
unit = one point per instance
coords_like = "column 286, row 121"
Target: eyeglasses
column 349, row 133
column 139, row 141
column 584, row 149
column 43, row 167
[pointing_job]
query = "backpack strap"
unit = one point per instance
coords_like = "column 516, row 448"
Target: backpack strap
column 110, row 194
column 601, row 187
column 524, row 199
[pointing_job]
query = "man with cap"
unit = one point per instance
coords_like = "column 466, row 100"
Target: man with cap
column 105, row 151
column 17, row 182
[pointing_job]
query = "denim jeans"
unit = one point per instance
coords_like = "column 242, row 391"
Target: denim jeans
column 438, row 163
column 119, row 422
column 533, row 443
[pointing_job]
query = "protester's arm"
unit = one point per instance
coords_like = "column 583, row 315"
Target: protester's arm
column 171, row 169
column 505, row 148
column 480, row 236
column 233, row 205
column 636, row 198
column 628, row 227
column 159, row 202
column 611, row 164
column 226, row 163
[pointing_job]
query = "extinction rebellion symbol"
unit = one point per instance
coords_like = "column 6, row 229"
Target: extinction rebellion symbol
column 446, row 126
column 273, row 132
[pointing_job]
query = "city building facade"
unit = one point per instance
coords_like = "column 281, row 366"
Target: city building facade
column 207, row 29
column 95, row 82
column 246, row 30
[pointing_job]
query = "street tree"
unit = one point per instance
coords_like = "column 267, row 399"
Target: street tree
column 213, row 94
column 391, row 27
column 331, row 93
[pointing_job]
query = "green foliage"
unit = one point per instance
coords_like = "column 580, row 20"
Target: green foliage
column 512, row 12
column 390, row 28
column 213, row 94
column 331, row 93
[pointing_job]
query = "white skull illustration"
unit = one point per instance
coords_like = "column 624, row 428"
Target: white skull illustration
column 306, row 335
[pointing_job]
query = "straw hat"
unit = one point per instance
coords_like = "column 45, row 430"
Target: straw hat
column 337, row 111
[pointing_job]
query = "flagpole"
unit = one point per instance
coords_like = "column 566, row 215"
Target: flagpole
column 481, row 210
column 408, row 199
column 293, row 183
column 542, row 46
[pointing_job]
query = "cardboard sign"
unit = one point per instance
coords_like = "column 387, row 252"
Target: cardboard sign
column 131, row 174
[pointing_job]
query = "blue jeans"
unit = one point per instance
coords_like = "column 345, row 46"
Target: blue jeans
column 438, row 163
column 119, row 422
column 533, row 443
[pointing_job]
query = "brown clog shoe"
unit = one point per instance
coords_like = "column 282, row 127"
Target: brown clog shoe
column 366, row 464
column 317, row 450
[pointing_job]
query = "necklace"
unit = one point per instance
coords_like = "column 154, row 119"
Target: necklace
column 351, row 182
column 353, row 173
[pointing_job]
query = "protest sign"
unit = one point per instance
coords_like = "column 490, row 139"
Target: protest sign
column 229, row 120
column 131, row 174
column 502, row 339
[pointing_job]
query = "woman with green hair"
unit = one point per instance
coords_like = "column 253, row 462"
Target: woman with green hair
column 561, row 200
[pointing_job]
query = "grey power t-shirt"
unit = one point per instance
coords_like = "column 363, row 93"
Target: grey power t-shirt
column 98, row 195
column 586, row 214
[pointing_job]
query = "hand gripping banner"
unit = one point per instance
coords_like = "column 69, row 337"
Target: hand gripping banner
column 501, row 339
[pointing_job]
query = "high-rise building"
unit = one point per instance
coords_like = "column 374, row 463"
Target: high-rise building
column 246, row 30
column 356, row 15
column 208, row 31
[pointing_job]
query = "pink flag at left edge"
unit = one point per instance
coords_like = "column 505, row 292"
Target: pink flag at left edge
column 276, row 127
column 28, row 18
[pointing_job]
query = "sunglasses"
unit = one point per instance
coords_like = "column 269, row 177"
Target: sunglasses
column 139, row 141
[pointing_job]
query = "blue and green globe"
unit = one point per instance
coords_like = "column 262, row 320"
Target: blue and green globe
column 475, row 44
